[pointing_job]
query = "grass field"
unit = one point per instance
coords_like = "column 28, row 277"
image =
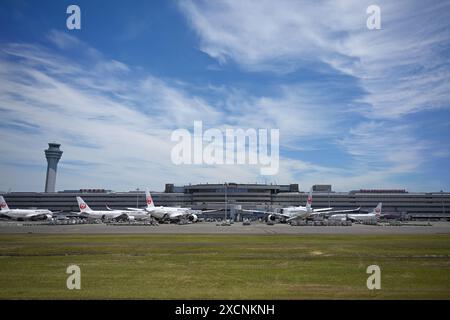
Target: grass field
column 224, row 266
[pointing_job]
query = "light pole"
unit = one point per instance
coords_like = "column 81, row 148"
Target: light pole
column 226, row 201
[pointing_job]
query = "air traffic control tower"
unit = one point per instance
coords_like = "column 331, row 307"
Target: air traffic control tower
column 53, row 154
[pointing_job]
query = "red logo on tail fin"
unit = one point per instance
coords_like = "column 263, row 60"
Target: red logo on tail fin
column 3, row 205
column 82, row 206
column 149, row 200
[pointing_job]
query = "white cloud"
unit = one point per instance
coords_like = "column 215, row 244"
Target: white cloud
column 379, row 146
column 401, row 67
column 114, row 124
column 114, row 133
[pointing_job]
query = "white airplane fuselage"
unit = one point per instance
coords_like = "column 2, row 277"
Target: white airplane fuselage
column 296, row 212
column 27, row 214
column 87, row 212
column 355, row 217
column 166, row 212
column 102, row 214
column 138, row 215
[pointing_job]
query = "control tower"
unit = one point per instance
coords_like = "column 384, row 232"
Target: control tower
column 53, row 154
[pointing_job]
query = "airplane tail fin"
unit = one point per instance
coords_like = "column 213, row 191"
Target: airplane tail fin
column 309, row 200
column 377, row 210
column 149, row 200
column 3, row 204
column 84, row 208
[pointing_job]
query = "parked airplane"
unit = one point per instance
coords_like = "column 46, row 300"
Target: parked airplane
column 102, row 214
column 292, row 213
column 136, row 213
column 371, row 216
column 300, row 212
column 23, row 214
column 303, row 212
column 139, row 214
column 168, row 213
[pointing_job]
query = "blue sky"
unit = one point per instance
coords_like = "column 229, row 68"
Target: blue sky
column 356, row 108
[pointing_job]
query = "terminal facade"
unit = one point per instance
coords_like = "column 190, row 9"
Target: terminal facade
column 267, row 197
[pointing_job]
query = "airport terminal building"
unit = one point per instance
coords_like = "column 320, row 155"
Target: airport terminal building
column 268, row 197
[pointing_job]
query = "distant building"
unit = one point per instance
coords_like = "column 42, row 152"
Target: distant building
column 322, row 188
column 86, row 191
column 266, row 197
column 379, row 191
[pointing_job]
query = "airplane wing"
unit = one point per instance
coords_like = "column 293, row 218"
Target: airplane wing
column 37, row 216
column 345, row 211
column 280, row 215
column 31, row 215
column 212, row 210
column 120, row 215
column 322, row 209
column 332, row 212
column 135, row 209
column 276, row 214
column 298, row 216
column 259, row 211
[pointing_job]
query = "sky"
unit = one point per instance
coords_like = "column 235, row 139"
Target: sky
column 355, row 108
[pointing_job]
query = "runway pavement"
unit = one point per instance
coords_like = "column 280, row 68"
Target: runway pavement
column 212, row 228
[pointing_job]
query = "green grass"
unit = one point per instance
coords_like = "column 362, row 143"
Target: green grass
column 224, row 266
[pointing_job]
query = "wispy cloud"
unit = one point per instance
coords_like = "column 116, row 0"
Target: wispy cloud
column 379, row 147
column 114, row 120
column 399, row 67
column 400, row 70
column 119, row 126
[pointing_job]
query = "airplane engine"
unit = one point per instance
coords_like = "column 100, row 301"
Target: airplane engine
column 193, row 218
column 49, row 216
column 131, row 218
column 271, row 217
